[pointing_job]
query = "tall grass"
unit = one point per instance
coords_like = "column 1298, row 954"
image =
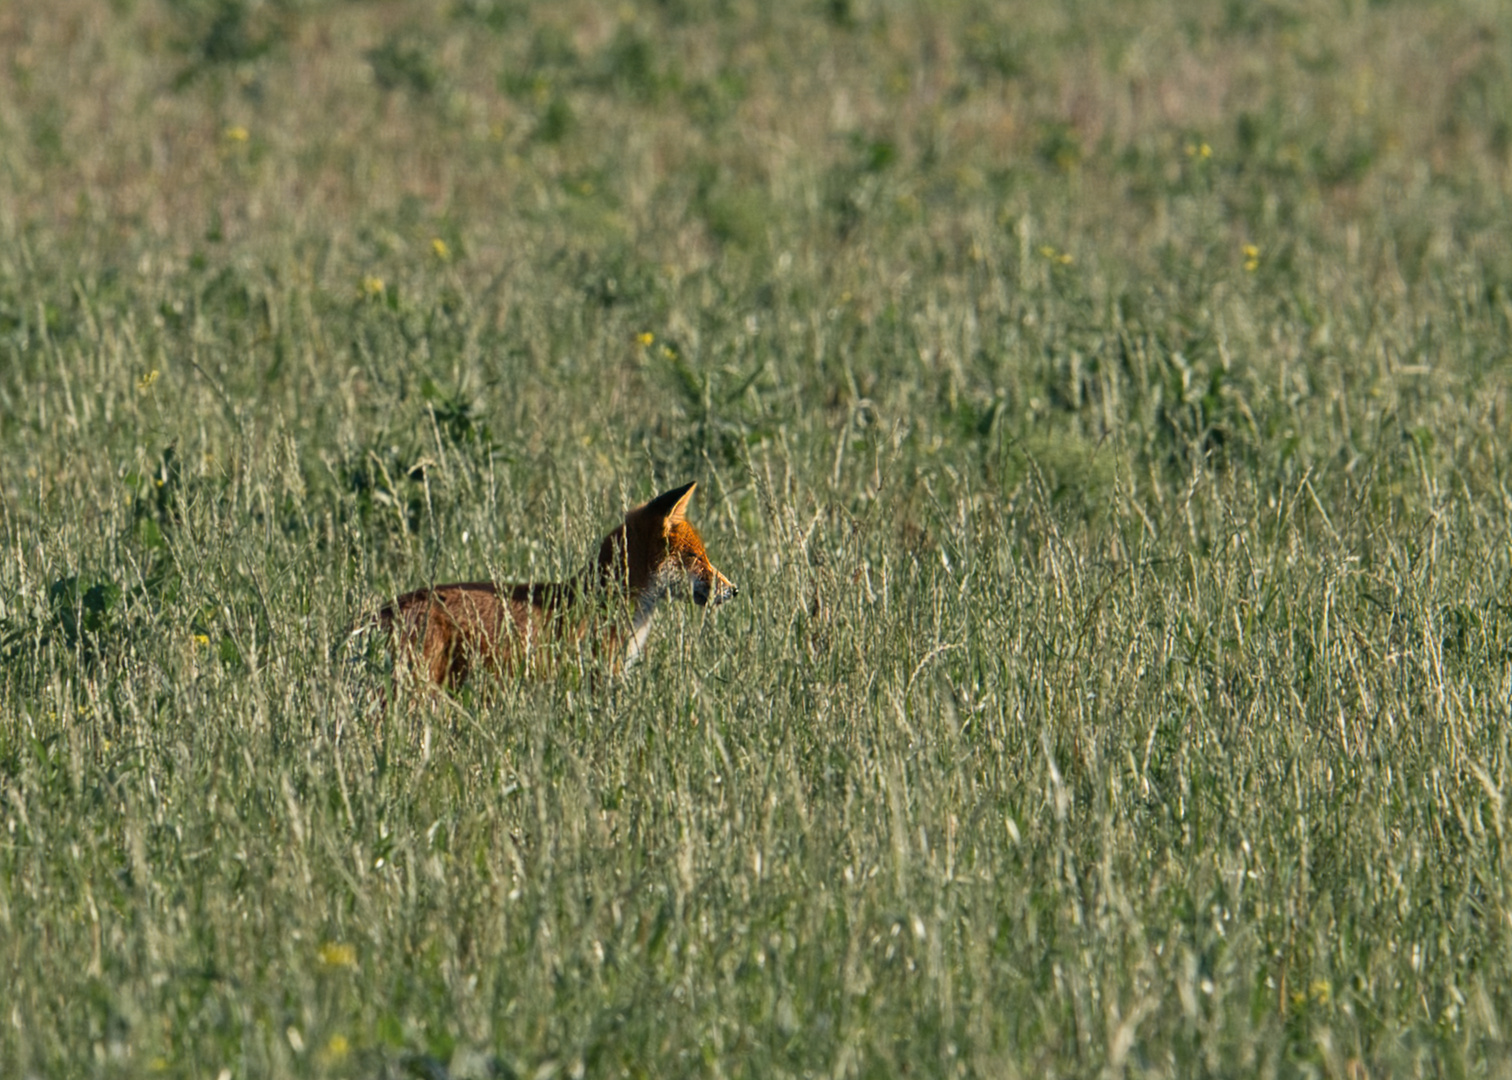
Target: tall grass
column 1102, row 409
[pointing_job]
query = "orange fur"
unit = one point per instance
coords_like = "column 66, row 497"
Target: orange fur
column 449, row 631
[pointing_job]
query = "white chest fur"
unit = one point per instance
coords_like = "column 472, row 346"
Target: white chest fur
column 640, row 626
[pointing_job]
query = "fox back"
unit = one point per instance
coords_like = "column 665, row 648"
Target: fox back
column 449, row 631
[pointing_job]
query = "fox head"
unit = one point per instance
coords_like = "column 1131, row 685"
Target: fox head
column 656, row 553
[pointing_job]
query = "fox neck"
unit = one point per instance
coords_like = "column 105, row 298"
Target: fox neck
column 642, row 603
column 640, row 624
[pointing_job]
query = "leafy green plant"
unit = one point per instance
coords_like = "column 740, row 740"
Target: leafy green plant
column 398, row 64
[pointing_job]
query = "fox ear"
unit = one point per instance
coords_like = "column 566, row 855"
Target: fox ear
column 670, row 506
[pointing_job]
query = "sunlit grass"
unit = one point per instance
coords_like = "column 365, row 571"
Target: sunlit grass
column 1102, row 412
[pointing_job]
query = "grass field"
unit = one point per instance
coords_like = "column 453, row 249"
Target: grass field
column 1103, row 409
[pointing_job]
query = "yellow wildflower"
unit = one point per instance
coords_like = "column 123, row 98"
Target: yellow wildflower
column 335, row 1050
column 337, row 954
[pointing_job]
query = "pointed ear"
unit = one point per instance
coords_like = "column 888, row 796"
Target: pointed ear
column 670, row 506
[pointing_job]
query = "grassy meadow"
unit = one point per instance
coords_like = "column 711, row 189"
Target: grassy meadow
column 1103, row 409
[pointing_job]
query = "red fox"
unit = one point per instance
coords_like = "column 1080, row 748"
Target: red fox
column 449, row 631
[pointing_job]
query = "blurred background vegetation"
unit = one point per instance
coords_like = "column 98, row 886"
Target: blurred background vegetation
column 1170, row 223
